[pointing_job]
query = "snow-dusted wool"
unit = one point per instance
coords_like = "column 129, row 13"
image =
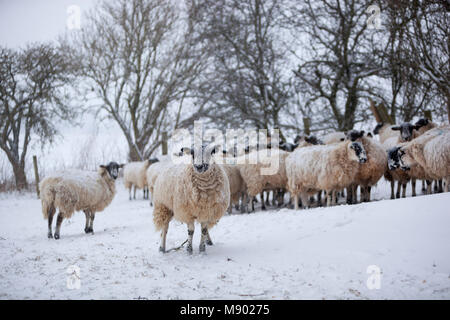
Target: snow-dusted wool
column 76, row 190
column 134, row 174
column 333, row 137
column 432, row 151
column 370, row 172
column 189, row 193
column 252, row 168
column 323, row 167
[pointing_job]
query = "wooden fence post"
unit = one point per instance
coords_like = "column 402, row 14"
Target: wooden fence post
column 36, row 175
column 164, row 143
column 307, row 125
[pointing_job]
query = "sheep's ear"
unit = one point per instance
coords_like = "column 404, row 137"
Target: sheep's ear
column 361, row 133
column 396, row 128
column 103, row 166
column 369, row 134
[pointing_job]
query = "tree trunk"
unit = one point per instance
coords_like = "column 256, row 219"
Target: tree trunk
column 20, row 177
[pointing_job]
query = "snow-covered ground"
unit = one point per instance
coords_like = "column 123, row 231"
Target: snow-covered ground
column 322, row 253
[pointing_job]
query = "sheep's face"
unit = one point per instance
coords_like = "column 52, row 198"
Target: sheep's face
column 357, row 152
column 354, row 135
column 405, row 159
column 201, row 157
column 113, row 169
column 422, row 122
column 406, row 130
column 393, row 158
column 376, row 130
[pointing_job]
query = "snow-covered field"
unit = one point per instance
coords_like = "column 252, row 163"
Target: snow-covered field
column 321, row 253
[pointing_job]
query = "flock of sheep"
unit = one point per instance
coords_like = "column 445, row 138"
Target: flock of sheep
column 211, row 182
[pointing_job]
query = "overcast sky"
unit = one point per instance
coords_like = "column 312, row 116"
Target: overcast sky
column 23, row 21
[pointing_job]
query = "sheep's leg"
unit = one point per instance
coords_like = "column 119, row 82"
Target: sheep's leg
column 296, row 201
column 191, row 228
column 91, row 226
column 268, row 196
column 51, row 213
column 59, row 220
column 440, row 189
column 129, row 192
column 429, row 187
column 333, row 197
column 349, row 195
column 399, row 187
column 134, row 195
column 369, row 189
column 208, row 238
column 329, row 198
column 88, row 221
column 204, row 237
column 392, row 190
column 435, row 186
column 423, row 186
column 304, row 197
column 230, row 208
column 243, row 203
column 319, row 198
column 413, row 186
column 404, row 190
column 263, row 205
column 162, row 246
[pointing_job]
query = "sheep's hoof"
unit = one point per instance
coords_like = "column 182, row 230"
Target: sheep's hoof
column 202, row 247
column 263, row 208
column 189, row 249
column 49, row 235
column 209, row 242
column 86, row 230
column 161, row 249
column 56, row 236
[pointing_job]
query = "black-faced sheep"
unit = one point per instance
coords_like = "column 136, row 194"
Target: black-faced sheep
column 323, row 167
column 72, row 191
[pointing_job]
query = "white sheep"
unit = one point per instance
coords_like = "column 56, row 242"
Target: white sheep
column 197, row 191
column 431, row 151
column 323, row 167
column 370, row 172
column 135, row 175
column 237, row 184
column 72, row 191
column 256, row 171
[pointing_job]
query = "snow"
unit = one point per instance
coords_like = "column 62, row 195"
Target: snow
column 321, row 253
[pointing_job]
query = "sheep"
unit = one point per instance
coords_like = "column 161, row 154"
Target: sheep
column 323, row 167
column 334, row 137
column 237, row 185
column 134, row 174
column 423, row 125
column 431, row 151
column 72, row 191
column 198, row 191
column 155, row 169
column 370, row 172
column 256, row 180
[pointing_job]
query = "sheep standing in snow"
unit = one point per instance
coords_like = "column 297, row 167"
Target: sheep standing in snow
column 431, row 151
column 370, row 172
column 198, row 191
column 323, row 167
column 72, row 191
column 135, row 175
column 253, row 166
column 237, row 185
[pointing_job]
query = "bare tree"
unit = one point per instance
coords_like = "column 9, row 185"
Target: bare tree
column 138, row 58
column 337, row 60
column 246, row 82
column 31, row 98
column 428, row 38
